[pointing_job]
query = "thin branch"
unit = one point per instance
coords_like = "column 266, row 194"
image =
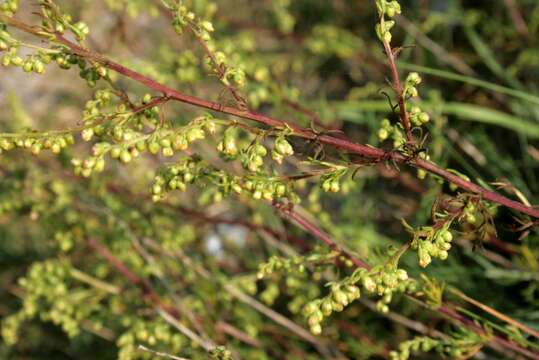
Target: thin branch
column 399, row 91
column 160, row 354
column 248, row 300
column 517, row 18
column 168, row 313
column 494, row 312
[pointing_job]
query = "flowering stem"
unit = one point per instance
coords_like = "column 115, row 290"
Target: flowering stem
column 444, row 309
column 399, row 91
column 367, row 151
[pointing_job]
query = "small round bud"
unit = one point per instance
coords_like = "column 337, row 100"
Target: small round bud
column 125, row 156
column 383, row 134
column 316, row 329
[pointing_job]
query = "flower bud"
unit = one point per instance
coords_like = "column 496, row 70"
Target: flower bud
column 167, row 151
column 340, row 297
column 424, row 117
column 115, row 152
column 335, row 186
column 39, row 67
column 424, row 260
column 195, row 134
column 413, row 78
column 337, row 307
column 283, row 147
column 125, row 156
column 352, row 292
column 27, row 66
column 153, row 147
column 87, row 134
column 369, row 284
column 327, row 307
column 316, row 329
column 36, row 148
column 310, row 308
column 401, row 274
column 447, row 236
column 383, row 134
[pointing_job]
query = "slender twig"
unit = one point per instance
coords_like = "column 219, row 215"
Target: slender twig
column 494, row 312
column 248, row 300
column 168, row 313
column 160, row 354
column 517, row 18
column 399, row 91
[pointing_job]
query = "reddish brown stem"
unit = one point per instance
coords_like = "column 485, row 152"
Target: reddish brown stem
column 149, row 294
column 319, row 234
column 370, row 152
column 399, row 91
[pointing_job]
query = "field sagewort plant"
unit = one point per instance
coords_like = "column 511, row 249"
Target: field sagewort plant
column 156, row 281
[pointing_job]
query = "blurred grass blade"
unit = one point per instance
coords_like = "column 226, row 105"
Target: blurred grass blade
column 489, row 58
column 349, row 111
column 472, row 81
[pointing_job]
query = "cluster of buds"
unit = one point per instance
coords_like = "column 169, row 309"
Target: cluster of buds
column 168, row 142
column 384, row 281
column 417, row 116
column 341, row 295
column 469, row 213
column 203, row 29
column 182, row 18
column 66, row 60
column 94, row 113
column 132, row 143
column 175, row 177
column 281, row 149
column 56, row 22
column 330, row 182
column 35, row 142
column 388, row 8
column 432, row 243
column 10, row 44
column 46, row 285
column 252, row 158
column 92, row 108
column 412, row 80
column 92, row 74
column 80, row 29
column 269, row 189
column 88, row 166
column 228, row 145
column 33, row 63
column 394, row 131
column 294, row 264
column 9, row 7
column 150, row 333
column 220, row 353
column 419, row 343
